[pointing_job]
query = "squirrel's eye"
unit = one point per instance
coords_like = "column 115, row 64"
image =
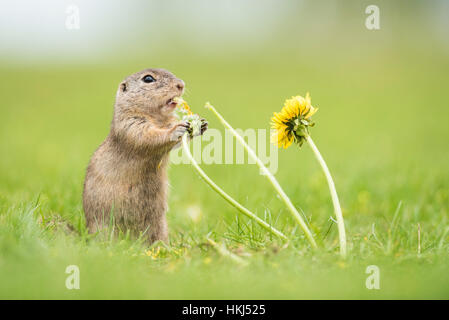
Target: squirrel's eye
column 148, row 79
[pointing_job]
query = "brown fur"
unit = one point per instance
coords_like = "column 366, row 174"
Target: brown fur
column 127, row 174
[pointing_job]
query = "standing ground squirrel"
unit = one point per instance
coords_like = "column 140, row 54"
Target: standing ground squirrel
column 127, row 174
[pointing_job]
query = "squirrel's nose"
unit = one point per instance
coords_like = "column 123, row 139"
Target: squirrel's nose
column 180, row 85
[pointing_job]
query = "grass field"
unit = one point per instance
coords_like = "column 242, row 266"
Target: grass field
column 382, row 127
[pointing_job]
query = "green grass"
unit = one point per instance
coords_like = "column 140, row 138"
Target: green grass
column 382, row 128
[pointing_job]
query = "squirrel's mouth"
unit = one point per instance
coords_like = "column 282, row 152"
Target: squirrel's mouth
column 171, row 104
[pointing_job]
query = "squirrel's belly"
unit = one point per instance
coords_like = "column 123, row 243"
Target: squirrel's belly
column 133, row 191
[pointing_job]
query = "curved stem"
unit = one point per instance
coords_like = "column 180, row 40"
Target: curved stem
column 226, row 253
column 227, row 197
column 333, row 191
column 270, row 177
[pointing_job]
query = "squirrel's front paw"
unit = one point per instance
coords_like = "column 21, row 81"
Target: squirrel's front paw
column 179, row 130
column 204, row 125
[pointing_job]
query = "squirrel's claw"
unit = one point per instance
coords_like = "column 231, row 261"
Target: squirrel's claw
column 204, row 125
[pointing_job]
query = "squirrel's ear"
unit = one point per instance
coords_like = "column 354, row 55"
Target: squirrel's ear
column 123, row 87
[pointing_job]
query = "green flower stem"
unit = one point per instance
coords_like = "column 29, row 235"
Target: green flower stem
column 226, row 253
column 227, row 197
column 333, row 191
column 269, row 175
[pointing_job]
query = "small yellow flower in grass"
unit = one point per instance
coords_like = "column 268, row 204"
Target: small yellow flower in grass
column 293, row 122
column 153, row 253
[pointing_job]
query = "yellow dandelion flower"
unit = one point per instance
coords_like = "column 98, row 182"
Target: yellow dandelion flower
column 183, row 112
column 182, row 105
column 292, row 123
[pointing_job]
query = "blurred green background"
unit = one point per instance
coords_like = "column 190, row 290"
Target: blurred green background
column 381, row 126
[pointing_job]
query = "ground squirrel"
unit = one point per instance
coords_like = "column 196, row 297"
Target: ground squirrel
column 127, row 174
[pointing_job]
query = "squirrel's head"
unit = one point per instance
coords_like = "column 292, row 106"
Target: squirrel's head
column 150, row 90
